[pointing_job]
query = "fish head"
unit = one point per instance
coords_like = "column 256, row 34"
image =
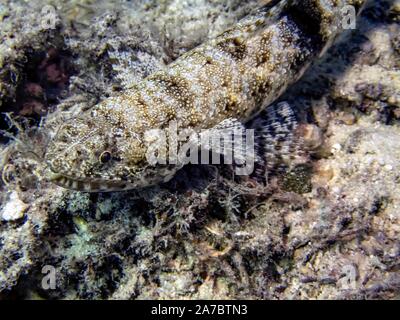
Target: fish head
column 100, row 152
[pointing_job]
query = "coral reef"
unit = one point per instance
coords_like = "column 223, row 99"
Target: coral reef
column 328, row 229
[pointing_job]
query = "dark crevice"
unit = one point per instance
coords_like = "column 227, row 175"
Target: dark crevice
column 44, row 82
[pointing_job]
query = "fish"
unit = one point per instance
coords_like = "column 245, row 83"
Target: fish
column 223, row 83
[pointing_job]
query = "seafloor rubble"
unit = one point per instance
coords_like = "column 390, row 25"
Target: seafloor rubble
column 327, row 229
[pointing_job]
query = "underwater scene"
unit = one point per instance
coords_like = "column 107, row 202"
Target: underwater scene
column 199, row 149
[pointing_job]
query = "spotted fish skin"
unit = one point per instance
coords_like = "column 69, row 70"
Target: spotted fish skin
column 234, row 76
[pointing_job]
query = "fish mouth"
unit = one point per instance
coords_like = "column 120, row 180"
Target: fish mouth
column 71, row 183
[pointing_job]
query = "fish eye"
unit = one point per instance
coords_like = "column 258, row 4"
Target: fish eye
column 105, row 156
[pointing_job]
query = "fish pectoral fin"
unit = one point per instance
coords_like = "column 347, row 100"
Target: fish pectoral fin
column 281, row 140
column 229, row 139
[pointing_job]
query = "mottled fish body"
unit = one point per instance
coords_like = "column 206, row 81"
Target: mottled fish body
column 234, row 76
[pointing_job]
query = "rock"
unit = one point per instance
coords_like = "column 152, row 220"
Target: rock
column 311, row 135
